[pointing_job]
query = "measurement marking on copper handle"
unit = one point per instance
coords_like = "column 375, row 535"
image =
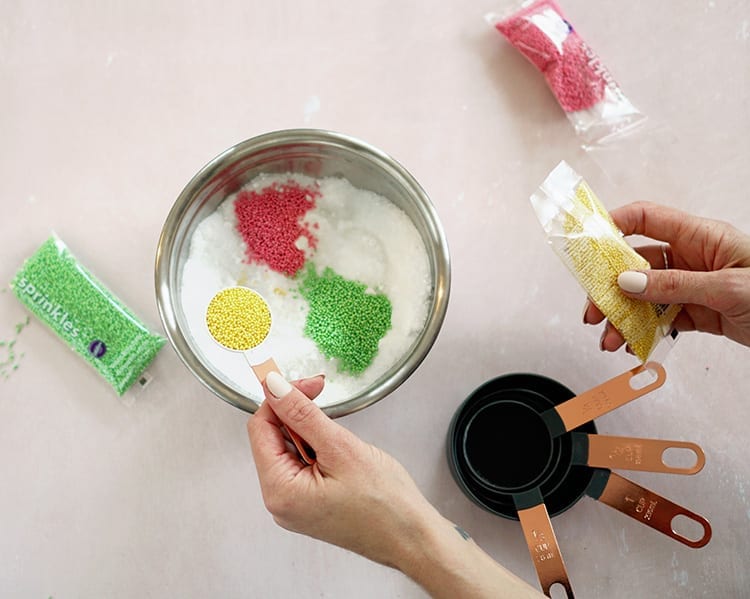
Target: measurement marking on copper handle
column 629, row 453
column 609, row 395
column 651, row 509
column 543, row 548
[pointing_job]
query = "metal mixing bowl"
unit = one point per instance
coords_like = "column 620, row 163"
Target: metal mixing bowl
column 314, row 153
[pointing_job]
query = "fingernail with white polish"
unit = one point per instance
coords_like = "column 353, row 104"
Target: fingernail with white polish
column 277, row 385
column 632, row 281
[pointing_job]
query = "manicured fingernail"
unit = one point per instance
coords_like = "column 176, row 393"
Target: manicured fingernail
column 315, row 376
column 277, row 385
column 632, row 281
column 585, row 310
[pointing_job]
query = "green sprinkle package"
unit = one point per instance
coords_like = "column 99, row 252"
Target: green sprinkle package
column 56, row 288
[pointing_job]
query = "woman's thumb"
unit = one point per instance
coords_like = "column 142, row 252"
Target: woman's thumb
column 298, row 412
column 669, row 286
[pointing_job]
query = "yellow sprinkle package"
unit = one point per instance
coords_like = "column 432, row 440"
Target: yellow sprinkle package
column 585, row 237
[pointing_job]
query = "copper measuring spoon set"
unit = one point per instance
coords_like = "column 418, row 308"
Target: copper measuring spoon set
column 525, row 447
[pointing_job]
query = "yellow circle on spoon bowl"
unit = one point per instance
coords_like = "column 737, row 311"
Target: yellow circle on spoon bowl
column 238, row 318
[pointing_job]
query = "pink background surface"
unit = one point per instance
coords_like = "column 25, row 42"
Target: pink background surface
column 107, row 109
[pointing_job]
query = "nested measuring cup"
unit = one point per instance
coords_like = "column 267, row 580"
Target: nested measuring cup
column 522, row 442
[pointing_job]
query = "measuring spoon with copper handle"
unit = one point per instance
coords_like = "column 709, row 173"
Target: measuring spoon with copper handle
column 239, row 320
column 541, row 541
column 630, row 453
column 602, row 399
column 645, row 506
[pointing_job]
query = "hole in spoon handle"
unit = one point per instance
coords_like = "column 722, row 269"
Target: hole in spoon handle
column 545, row 554
column 651, row 509
column 629, row 453
column 606, row 397
column 306, row 454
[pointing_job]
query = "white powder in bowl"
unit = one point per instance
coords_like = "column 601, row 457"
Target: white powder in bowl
column 361, row 236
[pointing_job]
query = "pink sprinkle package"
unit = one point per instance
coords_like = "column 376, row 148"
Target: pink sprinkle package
column 584, row 88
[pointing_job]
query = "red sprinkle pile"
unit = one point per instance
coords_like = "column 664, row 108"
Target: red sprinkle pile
column 270, row 222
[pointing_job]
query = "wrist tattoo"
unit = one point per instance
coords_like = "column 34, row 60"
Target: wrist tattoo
column 465, row 535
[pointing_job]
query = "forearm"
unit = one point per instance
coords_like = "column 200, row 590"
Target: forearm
column 447, row 563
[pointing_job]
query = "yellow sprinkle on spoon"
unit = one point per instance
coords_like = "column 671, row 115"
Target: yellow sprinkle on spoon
column 239, row 319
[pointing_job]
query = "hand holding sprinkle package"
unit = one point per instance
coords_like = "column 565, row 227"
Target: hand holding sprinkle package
column 65, row 296
column 584, row 236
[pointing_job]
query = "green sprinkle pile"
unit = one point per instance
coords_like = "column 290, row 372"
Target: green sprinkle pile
column 345, row 321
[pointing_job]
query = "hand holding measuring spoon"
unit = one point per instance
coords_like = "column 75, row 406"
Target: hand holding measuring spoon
column 239, row 319
column 360, row 498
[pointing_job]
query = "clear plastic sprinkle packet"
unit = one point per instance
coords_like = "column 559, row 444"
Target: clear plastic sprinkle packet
column 86, row 315
column 584, row 236
column 583, row 86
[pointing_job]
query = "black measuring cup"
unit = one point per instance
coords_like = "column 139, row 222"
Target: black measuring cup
column 511, row 450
